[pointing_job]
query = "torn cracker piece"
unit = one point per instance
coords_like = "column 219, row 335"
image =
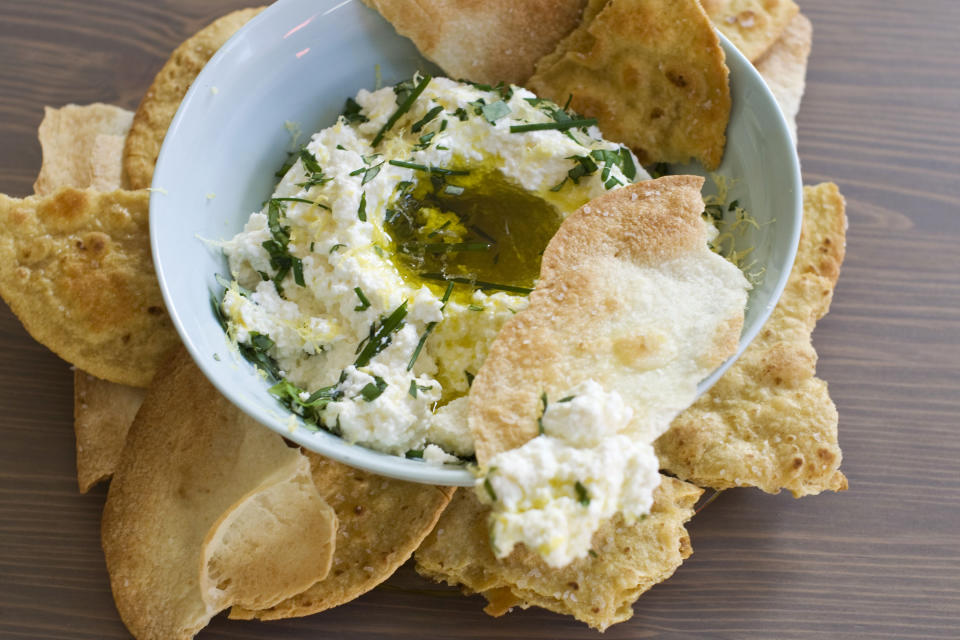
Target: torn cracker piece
column 784, row 68
column 81, row 147
column 191, row 457
column 651, row 72
column 241, row 559
column 768, row 422
column 102, row 414
column 381, row 521
column 630, row 296
column 160, row 103
column 600, row 589
column 490, row 42
column 751, row 25
column 75, row 267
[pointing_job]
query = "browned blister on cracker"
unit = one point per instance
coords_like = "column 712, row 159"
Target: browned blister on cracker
column 381, row 521
column 600, row 589
column 653, row 74
column 492, row 41
column 195, row 476
column 160, row 103
column 751, row 25
column 769, row 422
column 630, row 296
column 75, row 267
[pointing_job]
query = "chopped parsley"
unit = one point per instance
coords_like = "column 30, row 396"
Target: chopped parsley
column 281, row 260
column 419, row 124
column 493, row 112
column 364, row 303
column 429, row 169
column 362, row 209
column 543, row 400
column 351, row 111
column 479, row 284
column 369, row 173
column 578, row 123
column 403, row 107
column 380, row 335
column 427, row 332
column 373, row 390
column 489, row 488
column 313, row 169
column 583, row 496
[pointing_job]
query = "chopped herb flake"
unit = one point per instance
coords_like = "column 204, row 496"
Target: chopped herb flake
column 479, row 284
column 373, row 390
column 583, row 496
column 429, row 169
column 362, row 209
column 495, row 111
column 364, row 303
column 419, row 124
column 559, row 126
column 402, row 109
column 489, row 488
column 380, row 335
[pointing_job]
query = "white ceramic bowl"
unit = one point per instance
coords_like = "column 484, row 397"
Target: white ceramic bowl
column 296, row 63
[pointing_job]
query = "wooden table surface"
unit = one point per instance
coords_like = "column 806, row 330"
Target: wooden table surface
column 881, row 117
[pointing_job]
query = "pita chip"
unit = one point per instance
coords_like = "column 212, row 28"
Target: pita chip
column 599, row 590
column 160, row 103
column 784, row 67
column 195, row 474
column 769, row 422
column 629, row 296
column 651, row 72
column 102, row 414
column 381, row 521
column 81, row 147
column 75, row 267
column 490, row 42
column 751, row 25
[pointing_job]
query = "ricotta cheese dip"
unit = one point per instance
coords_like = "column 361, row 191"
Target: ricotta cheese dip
column 373, row 281
column 553, row 492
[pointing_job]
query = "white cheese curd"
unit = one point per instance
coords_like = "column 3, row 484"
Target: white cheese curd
column 336, row 278
column 552, row 493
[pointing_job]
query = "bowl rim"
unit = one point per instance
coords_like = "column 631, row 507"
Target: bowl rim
column 389, row 465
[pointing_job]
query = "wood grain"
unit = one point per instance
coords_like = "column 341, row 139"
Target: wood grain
column 882, row 560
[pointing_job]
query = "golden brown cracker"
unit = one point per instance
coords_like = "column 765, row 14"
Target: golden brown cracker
column 652, row 72
column 102, row 414
column 768, row 422
column 381, row 521
column 81, row 146
column 191, row 456
column 784, row 67
column 277, row 541
column 752, row 25
column 170, row 85
column 75, row 267
column 600, row 589
column 491, row 41
column 630, row 296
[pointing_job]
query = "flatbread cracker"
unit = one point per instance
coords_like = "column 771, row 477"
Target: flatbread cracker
column 491, row 41
column 102, row 414
column 75, row 267
column 81, row 147
column 768, row 422
column 630, row 296
column 599, row 590
column 170, row 85
column 381, row 520
column 191, row 457
column 751, row 25
column 242, row 560
column 784, row 68
column 652, row 72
